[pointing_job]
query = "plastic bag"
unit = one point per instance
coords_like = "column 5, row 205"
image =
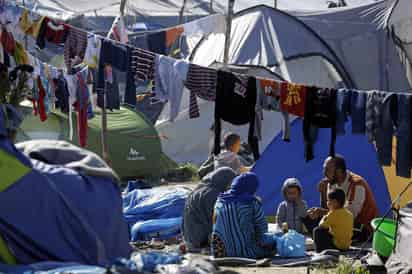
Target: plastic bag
column 291, row 244
column 151, row 260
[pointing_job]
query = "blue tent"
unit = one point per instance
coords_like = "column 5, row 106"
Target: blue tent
column 282, row 160
column 52, row 213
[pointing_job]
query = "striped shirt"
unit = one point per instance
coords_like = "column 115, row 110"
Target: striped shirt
column 202, row 83
column 143, row 64
column 75, row 46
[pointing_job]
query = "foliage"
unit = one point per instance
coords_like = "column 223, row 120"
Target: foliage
column 344, row 266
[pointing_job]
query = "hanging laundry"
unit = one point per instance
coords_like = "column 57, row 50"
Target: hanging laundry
column 117, row 56
column 74, row 47
column 143, row 63
column 118, row 31
column 82, row 106
column 172, row 34
column 211, row 24
column 358, row 111
column 343, row 102
column 20, row 55
column 374, row 100
column 130, row 92
column 293, row 98
column 51, row 31
column 62, row 94
column 92, row 55
column 201, row 82
column 403, row 136
column 157, row 42
column 320, row 112
column 7, row 40
column 169, row 82
column 140, row 41
column 30, row 23
column 235, row 103
column 268, row 98
column 72, row 88
column 40, row 101
column 386, row 122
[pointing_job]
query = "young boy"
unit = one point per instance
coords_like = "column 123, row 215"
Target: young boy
column 293, row 209
column 228, row 157
column 335, row 230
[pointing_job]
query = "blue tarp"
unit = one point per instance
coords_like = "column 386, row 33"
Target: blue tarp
column 151, row 204
column 161, row 229
column 56, row 214
column 281, row 160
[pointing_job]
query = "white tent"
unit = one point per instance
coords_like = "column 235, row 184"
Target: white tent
column 334, row 48
column 163, row 12
column 398, row 20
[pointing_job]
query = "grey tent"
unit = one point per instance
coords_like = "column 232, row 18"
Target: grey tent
column 398, row 21
column 98, row 15
column 344, row 47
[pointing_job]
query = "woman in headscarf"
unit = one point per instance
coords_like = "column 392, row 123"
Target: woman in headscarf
column 198, row 212
column 240, row 227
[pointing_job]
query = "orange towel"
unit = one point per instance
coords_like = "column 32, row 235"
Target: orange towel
column 172, row 34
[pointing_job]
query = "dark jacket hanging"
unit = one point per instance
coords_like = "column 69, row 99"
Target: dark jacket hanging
column 235, row 103
column 320, row 112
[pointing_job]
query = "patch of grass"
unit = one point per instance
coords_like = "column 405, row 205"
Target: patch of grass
column 183, row 173
column 344, row 266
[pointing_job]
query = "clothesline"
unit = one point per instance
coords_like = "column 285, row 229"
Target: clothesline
column 241, row 94
column 136, row 48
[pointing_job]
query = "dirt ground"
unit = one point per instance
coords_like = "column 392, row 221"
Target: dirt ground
column 267, row 270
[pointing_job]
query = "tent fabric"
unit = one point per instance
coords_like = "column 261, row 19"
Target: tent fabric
column 398, row 20
column 65, row 154
column 152, row 204
column 82, row 215
column 330, row 48
column 147, row 9
column 345, row 38
column 282, row 160
column 133, row 143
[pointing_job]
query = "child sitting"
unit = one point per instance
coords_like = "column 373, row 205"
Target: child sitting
column 293, row 209
column 335, row 230
column 229, row 156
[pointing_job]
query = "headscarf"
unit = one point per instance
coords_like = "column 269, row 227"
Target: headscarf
column 220, row 179
column 199, row 206
column 243, row 189
column 203, row 197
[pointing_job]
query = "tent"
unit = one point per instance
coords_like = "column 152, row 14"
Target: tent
column 98, row 15
column 283, row 160
column 53, row 213
column 133, row 144
column 398, row 20
column 332, row 48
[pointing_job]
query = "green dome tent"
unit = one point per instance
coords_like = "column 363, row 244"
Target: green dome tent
column 133, row 143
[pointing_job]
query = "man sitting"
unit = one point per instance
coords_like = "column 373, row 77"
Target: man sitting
column 359, row 197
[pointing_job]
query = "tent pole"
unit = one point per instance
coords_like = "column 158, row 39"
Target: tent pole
column 122, row 6
column 105, row 153
column 181, row 12
column 229, row 16
column 211, row 6
column 25, row 35
column 275, row 4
